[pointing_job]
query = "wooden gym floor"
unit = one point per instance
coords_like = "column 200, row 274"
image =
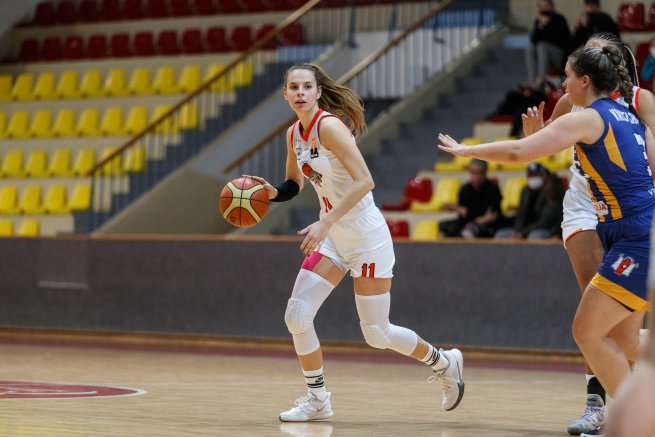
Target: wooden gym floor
column 239, row 391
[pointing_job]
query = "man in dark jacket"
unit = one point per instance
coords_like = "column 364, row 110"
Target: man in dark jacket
column 550, row 43
column 591, row 21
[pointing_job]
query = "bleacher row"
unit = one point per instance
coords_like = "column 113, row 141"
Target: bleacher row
column 421, row 207
column 144, row 43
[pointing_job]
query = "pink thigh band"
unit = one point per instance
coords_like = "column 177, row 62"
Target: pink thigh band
column 310, row 262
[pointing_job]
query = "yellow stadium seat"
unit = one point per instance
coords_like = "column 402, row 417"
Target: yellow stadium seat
column 241, row 75
column 68, row 85
column 116, row 83
column 80, row 198
column 64, row 125
column 113, row 167
column 425, row 230
column 6, row 228
column 22, row 89
column 30, row 200
column 514, row 166
column 29, row 228
column 91, row 84
column 8, row 199
column 55, row 200
column 457, row 163
column 135, row 159
column 136, row 120
column 189, row 79
column 5, row 87
column 189, row 116
column 84, row 161
column 164, row 82
column 12, row 166
column 112, row 122
column 18, row 126
column 168, row 125
column 41, row 125
column 446, row 191
column 220, row 85
column 44, row 88
column 60, row 164
column 36, row 166
column 562, row 160
column 140, row 82
column 3, row 125
column 511, row 192
column 88, row 124
column 472, row 141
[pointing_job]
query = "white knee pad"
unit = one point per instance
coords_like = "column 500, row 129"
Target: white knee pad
column 299, row 316
column 378, row 332
column 309, row 293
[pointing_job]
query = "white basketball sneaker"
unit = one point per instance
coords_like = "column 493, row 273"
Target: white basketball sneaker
column 308, row 408
column 593, row 417
column 451, row 379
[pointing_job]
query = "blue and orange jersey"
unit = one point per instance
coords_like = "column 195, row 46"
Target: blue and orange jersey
column 616, row 166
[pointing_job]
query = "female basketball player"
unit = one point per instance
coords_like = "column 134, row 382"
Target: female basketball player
column 579, row 225
column 351, row 235
column 611, row 148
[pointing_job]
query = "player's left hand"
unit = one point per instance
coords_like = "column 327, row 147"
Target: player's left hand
column 314, row 236
column 448, row 144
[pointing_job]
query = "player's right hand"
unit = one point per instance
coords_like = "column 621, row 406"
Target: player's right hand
column 270, row 189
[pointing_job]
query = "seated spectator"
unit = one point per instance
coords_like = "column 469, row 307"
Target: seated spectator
column 648, row 70
column 591, row 21
column 478, row 206
column 550, row 43
column 539, row 215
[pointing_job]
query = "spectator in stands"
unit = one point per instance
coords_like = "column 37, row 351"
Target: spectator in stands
column 540, row 209
column 550, row 43
column 478, row 206
column 648, row 70
column 591, row 21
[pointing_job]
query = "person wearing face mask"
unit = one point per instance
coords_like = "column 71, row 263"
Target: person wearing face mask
column 540, row 208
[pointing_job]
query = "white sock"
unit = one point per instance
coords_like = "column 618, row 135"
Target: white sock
column 435, row 359
column 315, row 383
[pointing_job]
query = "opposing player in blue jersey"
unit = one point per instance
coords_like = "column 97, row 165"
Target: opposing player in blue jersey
column 611, row 145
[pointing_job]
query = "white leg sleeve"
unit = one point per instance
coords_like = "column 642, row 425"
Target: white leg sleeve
column 309, row 293
column 378, row 332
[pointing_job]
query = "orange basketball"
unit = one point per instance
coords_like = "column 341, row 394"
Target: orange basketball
column 243, row 202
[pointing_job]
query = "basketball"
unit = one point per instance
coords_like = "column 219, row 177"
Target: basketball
column 243, row 202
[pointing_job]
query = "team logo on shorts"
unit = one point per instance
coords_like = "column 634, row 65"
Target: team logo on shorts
column 312, row 174
column 624, row 265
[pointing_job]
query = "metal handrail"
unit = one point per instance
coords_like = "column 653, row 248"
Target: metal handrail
column 350, row 74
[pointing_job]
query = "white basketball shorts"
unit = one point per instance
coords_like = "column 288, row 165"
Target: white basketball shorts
column 579, row 214
column 361, row 245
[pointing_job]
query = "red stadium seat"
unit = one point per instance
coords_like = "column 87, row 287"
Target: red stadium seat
column 119, row 46
column 181, row 8
column 292, row 35
column 66, row 12
column 416, row 189
column 45, row 14
column 144, row 44
column 631, row 16
column 262, row 31
column 96, row 47
column 133, row 10
column 110, row 10
column 398, row 228
column 254, row 6
column 192, row 41
column 651, row 17
column 156, row 8
column 295, row 4
column 167, row 43
column 74, row 47
column 29, row 50
column 88, row 12
column 278, row 5
column 229, row 7
column 216, row 41
column 52, row 49
column 240, row 38
column 204, row 7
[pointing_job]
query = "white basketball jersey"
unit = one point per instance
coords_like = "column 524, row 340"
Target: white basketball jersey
column 578, row 182
column 322, row 168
